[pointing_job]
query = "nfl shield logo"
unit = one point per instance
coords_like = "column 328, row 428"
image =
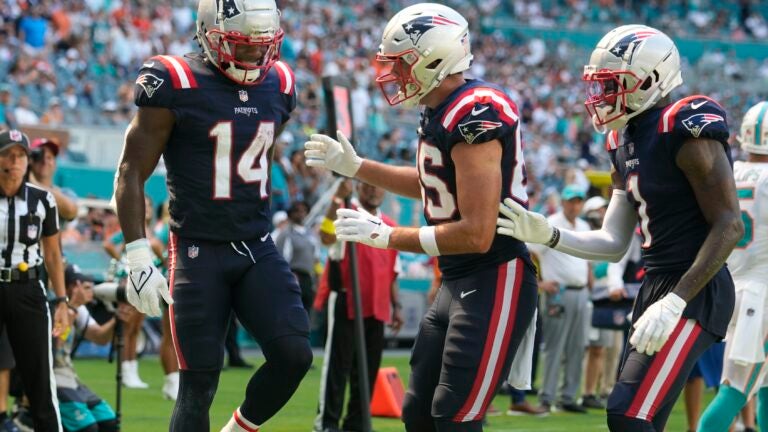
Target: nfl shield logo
column 15, row 135
column 243, row 95
column 192, row 251
column 631, row 148
column 32, row 231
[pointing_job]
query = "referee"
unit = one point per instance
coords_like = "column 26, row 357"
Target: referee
column 28, row 218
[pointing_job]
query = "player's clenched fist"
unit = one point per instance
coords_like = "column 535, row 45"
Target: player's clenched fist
column 146, row 285
column 338, row 156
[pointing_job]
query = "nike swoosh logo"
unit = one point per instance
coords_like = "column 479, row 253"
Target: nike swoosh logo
column 143, row 275
column 464, row 294
column 263, row 239
column 148, row 64
column 476, row 111
column 374, row 222
column 697, row 105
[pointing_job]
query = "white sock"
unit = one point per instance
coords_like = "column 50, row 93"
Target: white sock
column 238, row 423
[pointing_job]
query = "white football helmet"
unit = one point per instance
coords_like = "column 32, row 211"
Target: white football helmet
column 422, row 44
column 632, row 68
column 242, row 38
column 754, row 129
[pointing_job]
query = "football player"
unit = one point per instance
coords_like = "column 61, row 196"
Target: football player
column 672, row 171
column 214, row 116
column 745, row 351
column 469, row 155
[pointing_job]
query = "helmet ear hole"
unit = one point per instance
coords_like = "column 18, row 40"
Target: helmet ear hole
column 434, row 64
column 647, row 83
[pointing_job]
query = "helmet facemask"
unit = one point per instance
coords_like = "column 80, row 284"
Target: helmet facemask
column 399, row 83
column 607, row 92
column 224, row 47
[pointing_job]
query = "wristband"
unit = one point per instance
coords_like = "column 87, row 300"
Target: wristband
column 326, row 226
column 428, row 241
column 555, row 239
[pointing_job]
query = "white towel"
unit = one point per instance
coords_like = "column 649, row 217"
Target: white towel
column 747, row 341
column 520, row 373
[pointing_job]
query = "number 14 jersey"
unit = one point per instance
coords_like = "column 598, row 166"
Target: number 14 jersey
column 476, row 112
column 218, row 154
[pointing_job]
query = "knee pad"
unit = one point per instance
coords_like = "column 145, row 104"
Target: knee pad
column 291, row 354
column 620, row 423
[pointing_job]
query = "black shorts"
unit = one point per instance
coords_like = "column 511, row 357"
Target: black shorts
column 648, row 386
column 211, row 280
column 467, row 340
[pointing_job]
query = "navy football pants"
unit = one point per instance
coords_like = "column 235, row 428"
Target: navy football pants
column 465, row 347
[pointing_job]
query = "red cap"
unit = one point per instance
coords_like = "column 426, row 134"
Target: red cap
column 50, row 142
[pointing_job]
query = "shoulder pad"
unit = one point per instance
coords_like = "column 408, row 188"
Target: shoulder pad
column 480, row 114
column 287, row 79
column 695, row 117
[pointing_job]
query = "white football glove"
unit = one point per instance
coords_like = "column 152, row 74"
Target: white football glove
column 146, row 284
column 522, row 224
column 338, row 156
column 362, row 227
column 655, row 325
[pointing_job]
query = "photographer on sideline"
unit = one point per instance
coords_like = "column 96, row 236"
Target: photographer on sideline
column 30, row 218
column 81, row 409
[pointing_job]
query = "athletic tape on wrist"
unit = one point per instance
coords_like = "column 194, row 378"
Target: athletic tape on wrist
column 428, row 240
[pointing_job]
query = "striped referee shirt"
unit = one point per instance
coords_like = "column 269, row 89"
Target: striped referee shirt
column 24, row 219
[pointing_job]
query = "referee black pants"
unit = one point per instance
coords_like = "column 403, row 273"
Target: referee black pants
column 339, row 362
column 25, row 314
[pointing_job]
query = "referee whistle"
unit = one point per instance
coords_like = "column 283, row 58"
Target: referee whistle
column 23, row 267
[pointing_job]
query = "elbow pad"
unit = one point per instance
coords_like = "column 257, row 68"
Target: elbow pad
column 611, row 241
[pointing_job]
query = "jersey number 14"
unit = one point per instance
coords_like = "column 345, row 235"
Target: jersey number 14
column 252, row 166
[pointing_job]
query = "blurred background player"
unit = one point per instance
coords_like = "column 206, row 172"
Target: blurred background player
column 745, row 353
column 235, row 98
column 672, row 172
column 469, row 155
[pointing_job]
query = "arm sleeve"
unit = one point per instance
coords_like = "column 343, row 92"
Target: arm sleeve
column 51, row 221
column 611, row 241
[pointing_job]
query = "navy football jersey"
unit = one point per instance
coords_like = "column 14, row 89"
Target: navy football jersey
column 218, row 156
column 476, row 112
column 671, row 222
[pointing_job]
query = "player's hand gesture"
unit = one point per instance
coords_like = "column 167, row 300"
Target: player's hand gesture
column 522, row 224
column 362, row 227
column 338, row 156
column 654, row 327
column 146, row 285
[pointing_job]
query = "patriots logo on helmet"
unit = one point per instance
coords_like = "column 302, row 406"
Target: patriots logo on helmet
column 473, row 129
column 622, row 46
column 416, row 27
column 150, row 83
column 697, row 122
column 229, row 10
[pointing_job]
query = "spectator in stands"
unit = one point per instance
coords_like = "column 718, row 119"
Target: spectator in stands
column 81, row 409
column 7, row 115
column 33, row 29
column 377, row 270
column 54, row 116
column 42, row 168
column 24, row 114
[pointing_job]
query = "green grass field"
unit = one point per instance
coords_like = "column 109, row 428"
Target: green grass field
column 146, row 410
